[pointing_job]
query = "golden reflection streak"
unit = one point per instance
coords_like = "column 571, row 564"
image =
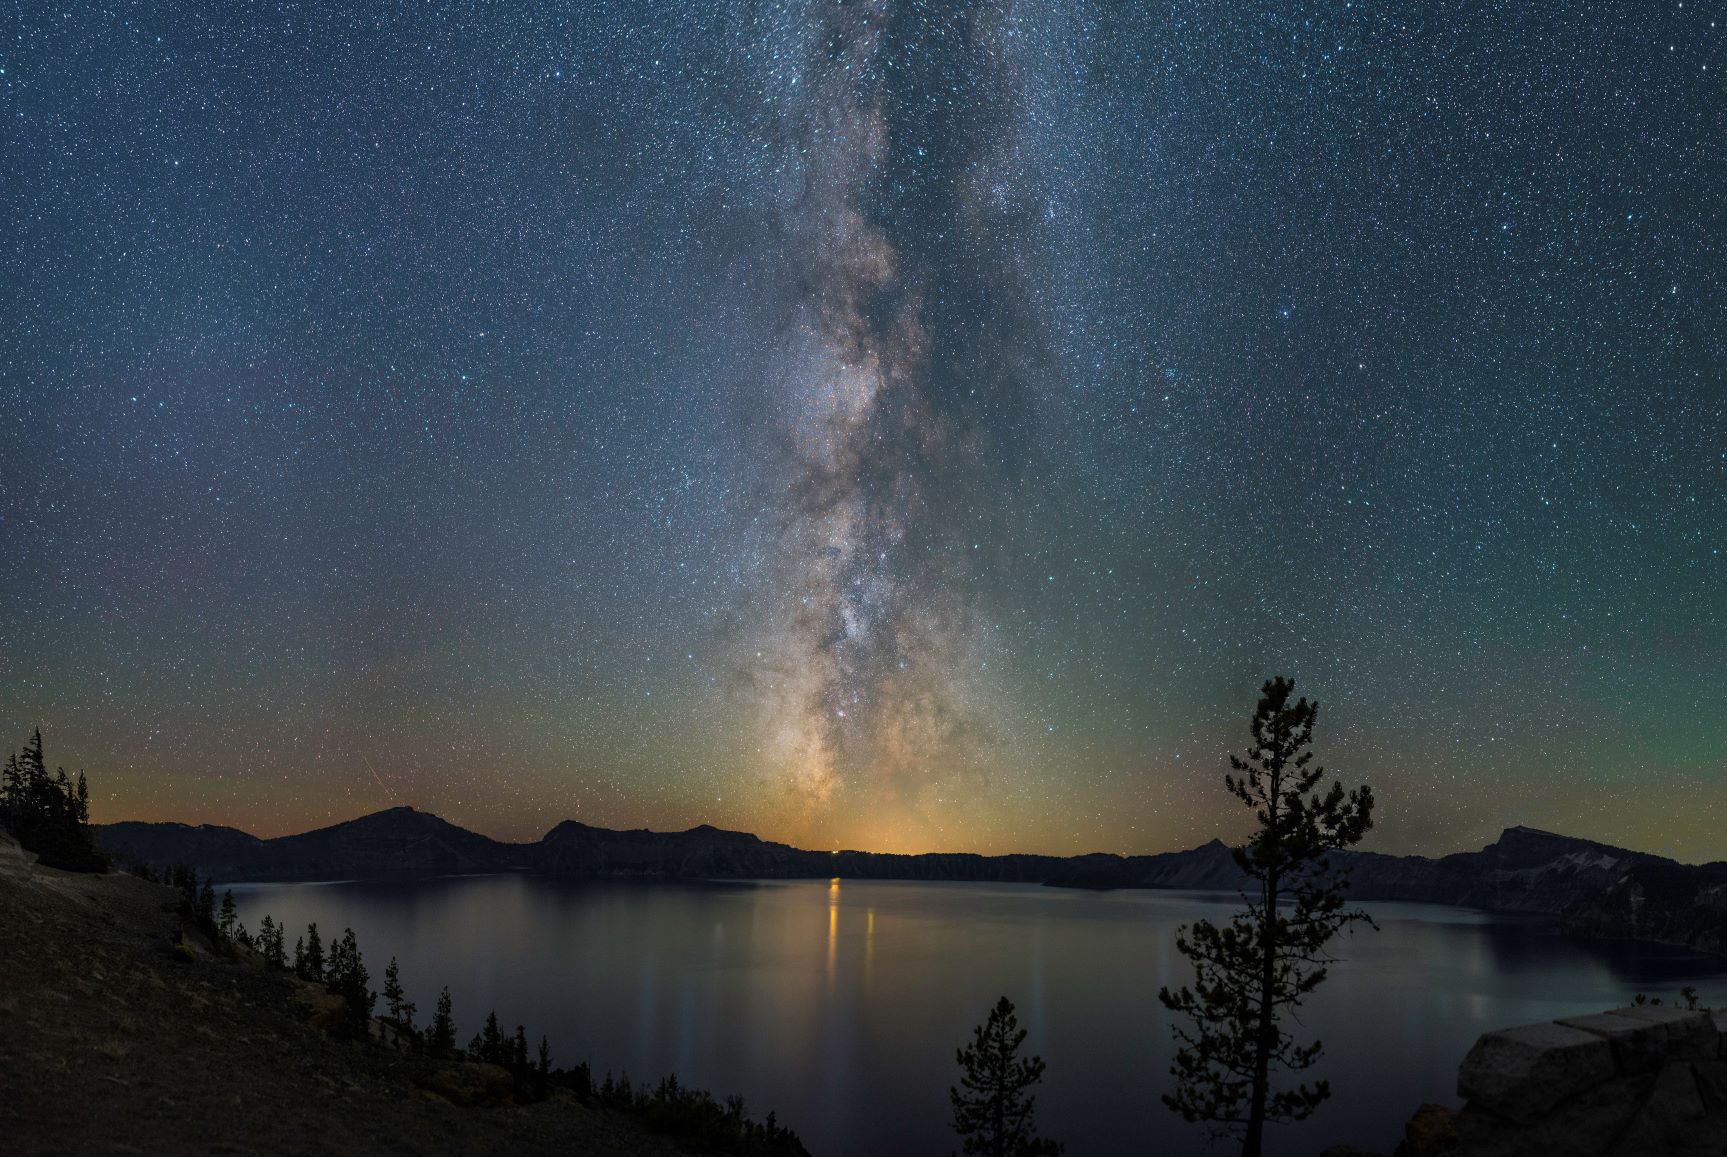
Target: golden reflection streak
column 833, row 926
column 869, row 948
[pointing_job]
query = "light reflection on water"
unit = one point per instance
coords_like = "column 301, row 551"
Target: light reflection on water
column 840, row 1003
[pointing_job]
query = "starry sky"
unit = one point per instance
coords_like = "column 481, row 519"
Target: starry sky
column 892, row 425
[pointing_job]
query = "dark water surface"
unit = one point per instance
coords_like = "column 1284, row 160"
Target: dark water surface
column 840, row 1005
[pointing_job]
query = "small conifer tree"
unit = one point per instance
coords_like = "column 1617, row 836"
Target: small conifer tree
column 442, row 1037
column 228, row 917
column 205, row 911
column 348, row 979
column 492, row 1046
column 311, row 966
column 270, row 944
column 393, row 990
column 993, row 1115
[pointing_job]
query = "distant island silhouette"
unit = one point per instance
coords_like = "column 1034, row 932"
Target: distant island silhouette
column 1590, row 888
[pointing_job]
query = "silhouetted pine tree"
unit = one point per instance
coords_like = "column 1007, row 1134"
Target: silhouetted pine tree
column 395, row 999
column 270, row 944
column 205, row 911
column 228, row 917
column 11, row 789
column 309, row 961
column 49, row 815
column 442, row 1037
column 348, row 979
column 492, row 1047
column 30, row 760
column 1252, row 973
column 393, row 990
column 993, row 1116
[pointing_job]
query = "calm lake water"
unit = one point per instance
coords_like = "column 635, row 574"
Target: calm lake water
column 840, row 1005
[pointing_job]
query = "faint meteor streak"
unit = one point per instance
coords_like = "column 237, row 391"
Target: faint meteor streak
column 388, row 794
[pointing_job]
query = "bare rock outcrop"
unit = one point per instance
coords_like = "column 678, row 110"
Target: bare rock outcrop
column 1644, row 1081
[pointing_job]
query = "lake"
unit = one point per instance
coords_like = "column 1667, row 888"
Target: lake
column 840, row 1004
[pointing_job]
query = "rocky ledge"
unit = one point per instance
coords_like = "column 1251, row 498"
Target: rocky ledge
column 1645, row 1081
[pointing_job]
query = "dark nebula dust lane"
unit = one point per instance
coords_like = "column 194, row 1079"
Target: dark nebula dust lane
column 891, row 425
column 903, row 385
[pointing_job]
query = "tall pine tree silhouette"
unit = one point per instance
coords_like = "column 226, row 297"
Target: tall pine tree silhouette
column 1251, row 974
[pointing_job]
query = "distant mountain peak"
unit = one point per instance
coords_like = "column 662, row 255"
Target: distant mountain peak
column 709, row 830
column 392, row 816
column 1524, row 834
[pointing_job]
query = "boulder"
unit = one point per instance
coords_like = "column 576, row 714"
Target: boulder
column 1521, row 1073
column 329, row 1012
column 1431, row 1132
column 1644, row 1081
column 1579, row 1127
column 471, row 1084
column 1665, row 1123
column 1690, row 1032
column 1639, row 1046
column 1712, row 1085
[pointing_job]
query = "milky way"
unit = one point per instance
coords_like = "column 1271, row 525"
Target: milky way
column 910, row 348
column 899, row 425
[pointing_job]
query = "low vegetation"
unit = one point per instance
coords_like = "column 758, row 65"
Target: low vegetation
column 688, row 1116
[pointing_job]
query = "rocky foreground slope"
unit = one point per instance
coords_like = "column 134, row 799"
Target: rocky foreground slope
column 1642, row 1081
column 1591, row 888
column 113, row 1041
column 1631, row 1082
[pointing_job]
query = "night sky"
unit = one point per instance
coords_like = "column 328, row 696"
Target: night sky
column 900, row 426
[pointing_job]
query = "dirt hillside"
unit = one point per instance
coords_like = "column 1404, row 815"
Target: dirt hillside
column 111, row 1041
